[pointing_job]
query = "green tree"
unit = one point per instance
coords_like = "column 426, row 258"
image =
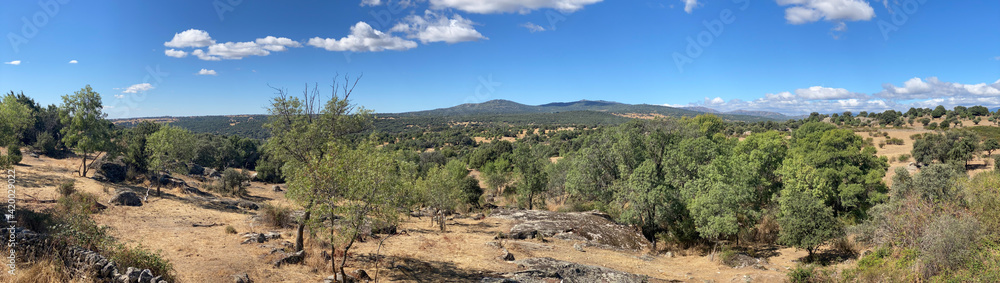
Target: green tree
column 991, row 145
column 301, row 134
column 533, row 178
column 85, row 129
column 167, row 148
column 16, row 119
column 938, row 112
column 445, row 188
column 805, row 221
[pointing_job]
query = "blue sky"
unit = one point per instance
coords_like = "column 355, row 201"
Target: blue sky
column 179, row 58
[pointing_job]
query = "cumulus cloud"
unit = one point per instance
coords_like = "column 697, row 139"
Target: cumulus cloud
column 15, row 62
column 807, row 11
column 73, row 61
column 175, row 53
column 932, row 87
column 689, row 5
column 190, row 38
column 136, row 88
column 511, row 6
column 915, row 92
column 432, row 27
column 228, row 50
column 371, row 3
column 207, row 72
column 363, row 38
column 532, row 27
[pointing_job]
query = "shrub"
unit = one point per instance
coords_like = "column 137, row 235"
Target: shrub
column 66, row 188
column 45, row 143
column 230, row 229
column 233, row 182
column 79, row 203
column 904, row 157
column 141, row 258
column 274, row 215
column 14, row 154
column 895, row 141
column 947, row 242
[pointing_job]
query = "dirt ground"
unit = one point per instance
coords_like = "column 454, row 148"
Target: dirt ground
column 421, row 253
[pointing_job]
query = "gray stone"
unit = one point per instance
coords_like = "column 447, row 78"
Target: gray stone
column 145, row 276
column 290, row 258
column 578, row 247
column 507, row 256
column 127, row 198
column 361, row 275
column 242, row 278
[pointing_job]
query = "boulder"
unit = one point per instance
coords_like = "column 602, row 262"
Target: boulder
column 242, row 278
column 552, row 270
column 290, row 258
column 127, row 198
column 595, row 228
column 506, row 255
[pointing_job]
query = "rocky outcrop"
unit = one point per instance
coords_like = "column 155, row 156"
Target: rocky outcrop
column 592, row 227
column 544, row 269
column 82, row 261
column 127, row 198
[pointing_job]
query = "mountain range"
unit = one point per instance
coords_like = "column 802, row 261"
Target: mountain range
column 500, row 107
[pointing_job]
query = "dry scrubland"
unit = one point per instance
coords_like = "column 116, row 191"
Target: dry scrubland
column 194, row 237
column 421, row 253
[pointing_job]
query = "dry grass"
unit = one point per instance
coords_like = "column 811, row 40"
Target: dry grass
column 44, row 271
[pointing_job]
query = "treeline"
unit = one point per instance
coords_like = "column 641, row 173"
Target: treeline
column 79, row 125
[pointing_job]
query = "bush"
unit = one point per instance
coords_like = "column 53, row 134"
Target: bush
column 274, row 215
column 79, row 203
column 904, row 157
column 233, row 182
column 895, row 141
column 230, row 229
column 141, row 258
column 66, row 188
column 14, row 154
column 947, row 242
column 45, row 143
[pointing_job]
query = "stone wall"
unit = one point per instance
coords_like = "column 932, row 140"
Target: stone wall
column 83, row 262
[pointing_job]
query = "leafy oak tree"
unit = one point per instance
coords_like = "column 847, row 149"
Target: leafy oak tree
column 85, row 129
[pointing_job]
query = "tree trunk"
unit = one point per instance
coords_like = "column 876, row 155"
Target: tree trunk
column 301, row 229
column 83, row 168
column 343, row 261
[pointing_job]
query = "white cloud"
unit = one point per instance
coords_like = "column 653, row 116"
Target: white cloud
column 532, row 27
column 73, row 61
column 207, row 72
column 932, row 87
column 916, row 92
column 227, row 50
column 15, row 62
column 119, row 96
column 190, row 38
column 363, row 38
column 371, row 3
column 689, row 5
column 175, row 53
column 204, row 56
column 136, row 88
column 436, row 28
column 807, row 11
column 825, row 93
column 277, row 43
column 511, row 6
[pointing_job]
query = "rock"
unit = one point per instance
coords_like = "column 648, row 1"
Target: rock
column 145, row 276
column 361, row 275
column 242, row 278
column 133, row 274
column 290, row 258
column 127, row 198
column 593, row 227
column 277, row 188
column 272, row 235
column 578, row 247
column 507, row 256
column 478, row 216
column 552, row 270
column 35, row 155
